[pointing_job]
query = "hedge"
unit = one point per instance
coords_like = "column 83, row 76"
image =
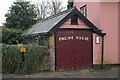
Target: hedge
column 10, row 36
column 15, row 36
column 36, row 59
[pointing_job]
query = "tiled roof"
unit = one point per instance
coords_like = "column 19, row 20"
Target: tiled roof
column 43, row 26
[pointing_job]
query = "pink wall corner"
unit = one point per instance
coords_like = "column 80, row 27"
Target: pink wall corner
column 97, row 50
column 109, row 24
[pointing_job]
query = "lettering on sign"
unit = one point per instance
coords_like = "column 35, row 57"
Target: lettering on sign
column 83, row 38
column 65, row 38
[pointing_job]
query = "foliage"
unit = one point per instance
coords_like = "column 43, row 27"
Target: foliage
column 21, row 15
column 11, row 36
column 70, row 4
column 15, row 36
column 40, row 40
column 36, row 59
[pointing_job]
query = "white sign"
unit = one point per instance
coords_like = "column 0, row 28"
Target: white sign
column 97, row 39
column 84, row 38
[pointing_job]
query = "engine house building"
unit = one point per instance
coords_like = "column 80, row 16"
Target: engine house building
column 82, row 36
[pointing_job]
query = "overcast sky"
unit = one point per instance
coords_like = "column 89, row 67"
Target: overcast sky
column 5, row 4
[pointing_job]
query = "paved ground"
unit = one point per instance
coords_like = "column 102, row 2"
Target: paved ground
column 70, row 74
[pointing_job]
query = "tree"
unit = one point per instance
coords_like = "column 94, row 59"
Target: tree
column 47, row 8
column 70, row 4
column 21, row 15
column 55, row 7
column 42, row 10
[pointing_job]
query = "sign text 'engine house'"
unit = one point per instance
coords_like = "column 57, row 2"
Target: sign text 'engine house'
column 83, row 38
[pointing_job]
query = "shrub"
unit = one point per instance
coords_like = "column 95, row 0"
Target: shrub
column 36, row 59
column 10, row 36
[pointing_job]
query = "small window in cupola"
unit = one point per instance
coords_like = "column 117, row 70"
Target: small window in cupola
column 74, row 20
column 83, row 10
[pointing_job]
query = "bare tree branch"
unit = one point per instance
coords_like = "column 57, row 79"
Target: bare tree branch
column 47, row 8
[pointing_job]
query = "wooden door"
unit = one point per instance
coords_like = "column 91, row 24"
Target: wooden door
column 73, row 49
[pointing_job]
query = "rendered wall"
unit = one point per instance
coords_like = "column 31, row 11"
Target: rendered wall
column 109, row 24
column 97, row 50
column 67, row 24
column 119, row 31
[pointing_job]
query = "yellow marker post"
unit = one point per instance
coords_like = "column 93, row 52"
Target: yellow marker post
column 23, row 50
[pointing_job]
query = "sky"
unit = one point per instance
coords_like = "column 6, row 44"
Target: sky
column 5, row 4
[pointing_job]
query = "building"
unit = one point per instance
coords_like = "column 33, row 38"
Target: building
column 105, row 15
column 82, row 36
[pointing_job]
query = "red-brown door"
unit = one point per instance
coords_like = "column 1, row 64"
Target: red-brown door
column 73, row 49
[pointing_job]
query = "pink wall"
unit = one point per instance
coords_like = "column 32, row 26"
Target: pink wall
column 119, row 29
column 105, row 16
column 97, row 50
column 80, row 22
column 109, row 24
